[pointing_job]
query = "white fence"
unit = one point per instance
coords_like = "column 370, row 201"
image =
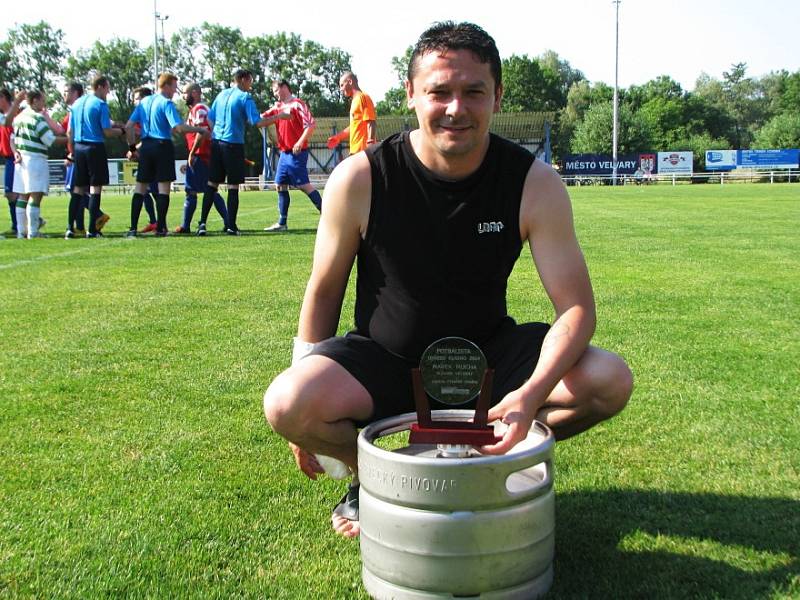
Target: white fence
column 718, row 177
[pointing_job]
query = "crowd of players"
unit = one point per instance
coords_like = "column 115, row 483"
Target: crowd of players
column 214, row 137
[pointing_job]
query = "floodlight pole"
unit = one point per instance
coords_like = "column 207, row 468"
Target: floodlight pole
column 615, row 133
column 155, row 44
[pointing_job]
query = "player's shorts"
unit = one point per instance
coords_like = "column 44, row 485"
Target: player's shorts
column 512, row 352
column 227, row 161
column 196, row 176
column 9, row 177
column 91, row 164
column 292, row 169
column 156, row 161
column 32, row 175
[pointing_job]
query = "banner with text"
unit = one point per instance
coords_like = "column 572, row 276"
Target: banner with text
column 601, row 164
column 768, row 159
column 675, row 162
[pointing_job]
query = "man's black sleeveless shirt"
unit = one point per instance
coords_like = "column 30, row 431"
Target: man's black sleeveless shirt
column 438, row 253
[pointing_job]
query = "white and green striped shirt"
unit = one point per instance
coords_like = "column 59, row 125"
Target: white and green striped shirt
column 32, row 134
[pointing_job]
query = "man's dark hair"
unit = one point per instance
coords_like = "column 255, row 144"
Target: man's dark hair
column 6, row 93
column 448, row 35
column 100, row 81
column 76, row 87
column 283, row 82
column 143, row 92
column 32, row 96
column 242, row 74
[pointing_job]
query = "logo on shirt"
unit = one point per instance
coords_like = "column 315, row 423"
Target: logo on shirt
column 490, row 227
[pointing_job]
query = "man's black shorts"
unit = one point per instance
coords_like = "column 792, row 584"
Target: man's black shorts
column 156, row 161
column 227, row 160
column 513, row 353
column 90, row 163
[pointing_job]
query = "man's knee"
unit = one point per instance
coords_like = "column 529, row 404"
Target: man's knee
column 619, row 387
column 282, row 405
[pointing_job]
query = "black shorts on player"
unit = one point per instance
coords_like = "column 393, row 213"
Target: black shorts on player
column 512, row 352
column 227, row 163
column 156, row 161
column 90, row 163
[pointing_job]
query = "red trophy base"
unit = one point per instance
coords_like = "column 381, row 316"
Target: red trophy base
column 467, row 433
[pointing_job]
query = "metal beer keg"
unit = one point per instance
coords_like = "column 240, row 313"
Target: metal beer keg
column 438, row 527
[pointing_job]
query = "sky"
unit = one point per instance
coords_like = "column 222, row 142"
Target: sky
column 680, row 38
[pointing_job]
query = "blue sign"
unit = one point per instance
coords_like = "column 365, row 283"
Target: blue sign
column 599, row 164
column 768, row 159
column 720, row 160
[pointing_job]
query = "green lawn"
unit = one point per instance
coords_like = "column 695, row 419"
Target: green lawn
column 135, row 460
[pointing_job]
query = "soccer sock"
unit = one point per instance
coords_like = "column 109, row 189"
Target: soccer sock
column 149, row 207
column 33, row 212
column 283, row 206
column 189, row 206
column 219, row 204
column 22, row 218
column 316, row 199
column 136, row 209
column 72, row 211
column 12, row 208
column 80, row 210
column 94, row 212
column 162, row 206
column 233, row 208
column 208, row 200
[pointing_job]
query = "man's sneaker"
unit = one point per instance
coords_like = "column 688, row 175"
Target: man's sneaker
column 276, row 227
column 148, row 228
column 131, row 233
column 69, row 234
column 42, row 223
column 101, row 222
column 181, row 229
column 201, row 229
column 94, row 235
column 233, row 232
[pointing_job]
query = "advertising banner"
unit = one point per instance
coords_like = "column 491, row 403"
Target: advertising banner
column 768, row 159
column 675, row 162
column 720, row 160
column 599, row 164
column 57, row 172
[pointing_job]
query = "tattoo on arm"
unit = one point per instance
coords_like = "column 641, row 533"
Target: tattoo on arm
column 556, row 332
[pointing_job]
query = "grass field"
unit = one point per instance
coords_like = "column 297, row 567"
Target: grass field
column 135, row 460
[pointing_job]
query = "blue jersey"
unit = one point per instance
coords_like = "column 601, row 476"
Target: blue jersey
column 156, row 115
column 231, row 109
column 89, row 116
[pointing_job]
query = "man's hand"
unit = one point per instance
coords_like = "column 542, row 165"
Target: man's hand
column 333, row 141
column 297, row 148
column 306, row 461
column 17, row 157
column 516, row 412
column 21, row 95
column 132, row 155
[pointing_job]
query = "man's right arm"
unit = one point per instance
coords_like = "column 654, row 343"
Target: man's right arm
column 343, row 223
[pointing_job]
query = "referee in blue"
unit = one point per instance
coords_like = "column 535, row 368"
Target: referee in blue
column 158, row 118
column 89, row 125
column 232, row 109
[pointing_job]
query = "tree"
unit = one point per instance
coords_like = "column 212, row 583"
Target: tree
column 123, row 61
column 395, row 100
column 10, row 69
column 594, row 133
column 780, row 132
column 41, row 50
column 528, row 87
column 564, row 72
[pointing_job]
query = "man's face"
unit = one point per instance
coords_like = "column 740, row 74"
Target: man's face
column 136, row 98
column 169, row 88
column 346, row 86
column 38, row 104
column 103, row 91
column 281, row 92
column 191, row 96
column 4, row 105
column 246, row 83
column 454, row 97
column 69, row 96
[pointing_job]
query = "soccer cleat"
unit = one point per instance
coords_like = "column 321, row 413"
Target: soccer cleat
column 69, row 234
column 131, row 233
column 276, row 228
column 201, row 229
column 94, row 235
column 148, row 228
column 182, row 229
column 233, row 232
column 101, row 222
column 42, row 222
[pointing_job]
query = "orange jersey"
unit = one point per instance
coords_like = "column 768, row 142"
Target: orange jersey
column 361, row 110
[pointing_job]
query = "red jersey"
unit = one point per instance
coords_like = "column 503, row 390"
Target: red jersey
column 290, row 130
column 198, row 117
column 65, row 125
column 5, row 140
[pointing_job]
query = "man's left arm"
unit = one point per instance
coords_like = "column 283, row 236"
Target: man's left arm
column 371, row 119
column 546, row 222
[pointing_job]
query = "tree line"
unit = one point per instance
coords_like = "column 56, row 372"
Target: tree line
column 736, row 111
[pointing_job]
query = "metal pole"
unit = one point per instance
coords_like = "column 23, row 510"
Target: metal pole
column 155, row 44
column 615, row 134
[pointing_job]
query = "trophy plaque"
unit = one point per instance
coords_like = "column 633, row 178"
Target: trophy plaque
column 452, row 371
